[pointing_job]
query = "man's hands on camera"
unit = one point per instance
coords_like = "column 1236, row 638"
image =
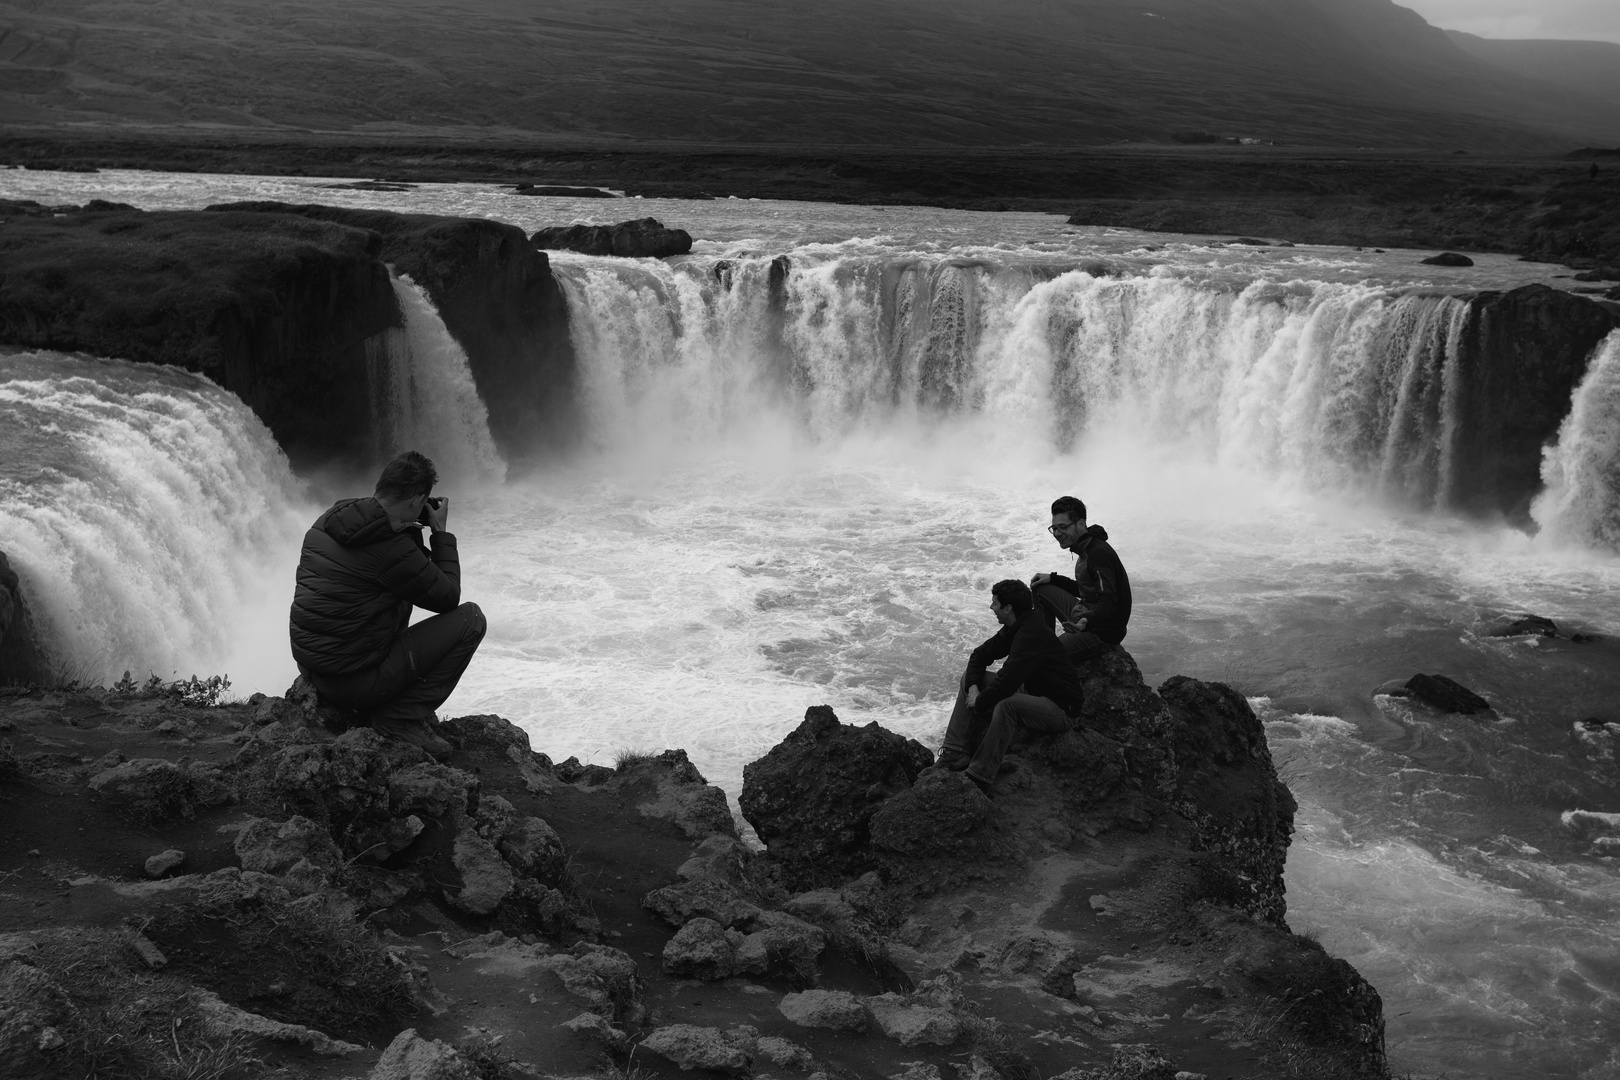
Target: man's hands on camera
column 435, row 513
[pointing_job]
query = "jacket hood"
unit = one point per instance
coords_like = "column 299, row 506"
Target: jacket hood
column 356, row 522
column 1096, row 532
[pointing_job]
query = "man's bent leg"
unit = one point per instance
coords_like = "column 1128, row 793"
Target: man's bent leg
column 960, row 735
column 1082, row 646
column 1060, row 605
column 1010, row 716
column 437, row 652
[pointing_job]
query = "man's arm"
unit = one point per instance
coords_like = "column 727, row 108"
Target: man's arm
column 1105, row 572
column 989, row 652
column 432, row 583
column 1020, row 665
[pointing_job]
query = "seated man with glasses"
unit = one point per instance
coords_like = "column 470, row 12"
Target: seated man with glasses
column 1094, row 605
column 1037, row 688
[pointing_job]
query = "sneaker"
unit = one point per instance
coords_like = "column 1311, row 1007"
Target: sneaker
column 413, row 732
column 954, row 760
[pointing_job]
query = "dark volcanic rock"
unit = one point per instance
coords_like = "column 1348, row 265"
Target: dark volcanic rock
column 20, row 659
column 279, row 310
column 1521, row 356
column 1448, row 258
column 499, row 300
column 1445, row 694
column 643, row 238
column 564, row 191
column 811, row 799
column 1526, row 624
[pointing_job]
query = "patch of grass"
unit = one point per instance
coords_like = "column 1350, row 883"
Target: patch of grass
column 628, row 758
column 1287, row 1056
column 490, row 1062
column 301, row 962
column 129, row 1023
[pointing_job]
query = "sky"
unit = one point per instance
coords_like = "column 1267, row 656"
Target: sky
column 1597, row 20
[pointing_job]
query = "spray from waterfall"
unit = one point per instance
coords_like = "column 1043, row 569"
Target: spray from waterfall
column 424, row 396
column 1581, row 503
column 1341, row 387
column 153, row 519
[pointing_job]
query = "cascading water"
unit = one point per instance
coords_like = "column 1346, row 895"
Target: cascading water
column 820, row 438
column 144, row 507
column 424, row 397
column 1315, row 385
column 1582, row 470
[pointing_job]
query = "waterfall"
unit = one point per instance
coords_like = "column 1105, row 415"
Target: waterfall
column 424, row 397
column 152, row 517
column 1349, row 387
column 1581, row 503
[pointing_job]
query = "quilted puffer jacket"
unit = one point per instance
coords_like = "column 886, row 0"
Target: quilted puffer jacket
column 357, row 582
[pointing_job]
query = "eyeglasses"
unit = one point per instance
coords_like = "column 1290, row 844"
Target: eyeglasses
column 1059, row 530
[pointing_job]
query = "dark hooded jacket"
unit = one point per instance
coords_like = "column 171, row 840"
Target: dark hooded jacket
column 1101, row 585
column 1036, row 663
column 358, row 580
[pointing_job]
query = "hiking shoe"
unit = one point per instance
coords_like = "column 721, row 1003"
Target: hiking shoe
column 953, row 760
column 414, row 732
column 985, row 788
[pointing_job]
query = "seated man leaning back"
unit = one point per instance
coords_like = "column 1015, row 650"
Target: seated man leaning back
column 362, row 569
column 1037, row 688
column 1094, row 606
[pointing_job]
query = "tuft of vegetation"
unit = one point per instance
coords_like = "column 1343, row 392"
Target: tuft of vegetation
column 128, row 1023
column 205, row 693
column 298, row 961
column 627, row 758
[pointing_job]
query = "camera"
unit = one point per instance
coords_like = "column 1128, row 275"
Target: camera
column 433, row 503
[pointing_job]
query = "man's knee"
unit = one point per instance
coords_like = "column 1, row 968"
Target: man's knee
column 473, row 617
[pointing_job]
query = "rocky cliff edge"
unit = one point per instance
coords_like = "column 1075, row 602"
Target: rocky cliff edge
column 260, row 886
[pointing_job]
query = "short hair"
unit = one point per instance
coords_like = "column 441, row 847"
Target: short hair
column 1014, row 594
column 407, row 476
column 1068, row 504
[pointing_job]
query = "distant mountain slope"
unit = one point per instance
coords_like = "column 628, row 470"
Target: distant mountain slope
column 846, row 72
column 1585, row 67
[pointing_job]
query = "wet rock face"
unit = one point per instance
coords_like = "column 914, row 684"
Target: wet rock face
column 645, row 238
column 277, row 310
column 1227, row 786
column 1521, row 356
column 20, row 659
column 812, row 798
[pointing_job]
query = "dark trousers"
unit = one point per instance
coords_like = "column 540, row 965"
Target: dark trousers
column 987, row 743
column 1059, row 604
column 419, row 672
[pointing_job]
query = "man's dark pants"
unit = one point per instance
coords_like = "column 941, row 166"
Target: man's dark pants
column 987, row 744
column 419, row 672
column 1059, row 603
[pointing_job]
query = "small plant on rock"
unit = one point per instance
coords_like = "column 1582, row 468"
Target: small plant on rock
column 207, row 692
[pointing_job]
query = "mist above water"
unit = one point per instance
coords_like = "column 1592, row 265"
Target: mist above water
column 798, row 491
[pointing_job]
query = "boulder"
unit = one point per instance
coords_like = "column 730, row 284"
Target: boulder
column 430, row 789
column 693, row 1047
column 564, row 191
column 533, row 846
column 602, row 977
column 779, row 942
column 411, row 1057
column 784, row 1054
column 486, row 879
column 1448, row 258
column 1446, row 695
column 640, row 239
column 812, row 797
column 595, row 1031
column 702, row 949
column 1525, row 625
column 935, row 816
column 913, row 1024
column 271, row 847
column 701, row 898
column 834, row 1010
column 165, row 861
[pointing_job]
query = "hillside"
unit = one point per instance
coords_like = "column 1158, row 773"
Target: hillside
column 912, row 73
column 1585, row 67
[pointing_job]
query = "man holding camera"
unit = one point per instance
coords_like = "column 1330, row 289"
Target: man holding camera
column 362, row 569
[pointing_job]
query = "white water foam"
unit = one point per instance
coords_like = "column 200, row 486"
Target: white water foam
column 425, row 398
column 152, row 518
column 1581, row 503
column 1316, row 386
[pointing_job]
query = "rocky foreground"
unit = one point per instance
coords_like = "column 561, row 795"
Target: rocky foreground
column 196, row 890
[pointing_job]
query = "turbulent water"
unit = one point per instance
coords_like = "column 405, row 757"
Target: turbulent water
column 798, row 485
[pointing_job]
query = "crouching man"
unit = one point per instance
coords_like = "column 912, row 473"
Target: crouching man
column 1036, row 688
column 362, row 569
